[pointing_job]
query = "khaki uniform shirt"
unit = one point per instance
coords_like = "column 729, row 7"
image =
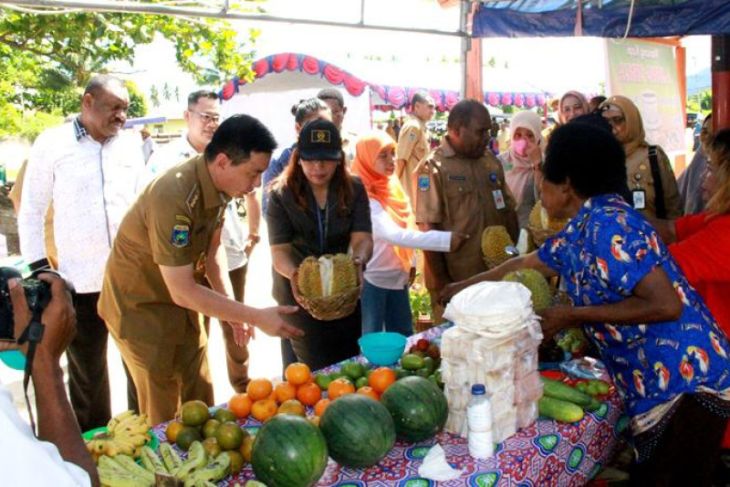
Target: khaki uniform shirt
column 171, row 224
column 638, row 177
column 456, row 193
column 412, row 147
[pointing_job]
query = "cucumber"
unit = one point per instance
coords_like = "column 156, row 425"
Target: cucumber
column 594, row 405
column 563, row 411
column 558, row 390
column 600, row 386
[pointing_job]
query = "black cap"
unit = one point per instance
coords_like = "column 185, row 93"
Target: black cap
column 320, row 140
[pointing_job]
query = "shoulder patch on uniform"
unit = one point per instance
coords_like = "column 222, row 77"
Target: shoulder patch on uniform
column 180, row 236
column 412, row 135
column 424, row 182
column 193, row 196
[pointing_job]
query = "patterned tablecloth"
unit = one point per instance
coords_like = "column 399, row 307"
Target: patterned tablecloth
column 547, row 453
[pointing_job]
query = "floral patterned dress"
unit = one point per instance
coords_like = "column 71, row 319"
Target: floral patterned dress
column 602, row 254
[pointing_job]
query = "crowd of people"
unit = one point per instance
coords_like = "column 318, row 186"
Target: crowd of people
column 155, row 243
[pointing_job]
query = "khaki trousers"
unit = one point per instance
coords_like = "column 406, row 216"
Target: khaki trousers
column 167, row 375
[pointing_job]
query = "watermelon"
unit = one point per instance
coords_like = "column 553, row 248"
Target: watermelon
column 418, row 407
column 289, row 451
column 359, row 430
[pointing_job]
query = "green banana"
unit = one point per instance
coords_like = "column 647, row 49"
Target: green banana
column 114, row 478
column 132, row 467
column 197, row 458
column 151, row 461
column 212, row 472
column 170, row 457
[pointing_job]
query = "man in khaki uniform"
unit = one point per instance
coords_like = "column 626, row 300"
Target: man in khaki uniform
column 413, row 143
column 168, row 242
column 461, row 188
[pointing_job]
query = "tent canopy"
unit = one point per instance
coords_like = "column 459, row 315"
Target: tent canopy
column 601, row 18
column 302, row 71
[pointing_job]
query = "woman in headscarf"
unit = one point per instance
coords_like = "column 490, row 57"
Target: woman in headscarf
column 521, row 162
column 385, row 303
column 572, row 104
column 652, row 185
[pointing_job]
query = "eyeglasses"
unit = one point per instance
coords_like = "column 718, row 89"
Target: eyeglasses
column 207, row 118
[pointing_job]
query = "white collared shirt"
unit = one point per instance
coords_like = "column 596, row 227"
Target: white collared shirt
column 384, row 269
column 91, row 186
column 180, row 150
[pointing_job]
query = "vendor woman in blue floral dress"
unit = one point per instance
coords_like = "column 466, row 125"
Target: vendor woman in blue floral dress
column 662, row 347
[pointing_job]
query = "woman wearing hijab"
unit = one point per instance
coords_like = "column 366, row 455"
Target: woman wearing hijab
column 572, row 104
column 385, row 303
column 521, row 162
column 652, row 185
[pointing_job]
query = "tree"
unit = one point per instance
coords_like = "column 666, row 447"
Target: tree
column 46, row 60
column 154, row 96
column 137, row 101
column 166, row 92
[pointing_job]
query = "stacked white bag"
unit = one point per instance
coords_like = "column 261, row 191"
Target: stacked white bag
column 494, row 342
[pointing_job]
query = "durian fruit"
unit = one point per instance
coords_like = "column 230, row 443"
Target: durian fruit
column 309, row 279
column 542, row 293
column 327, row 276
column 344, row 274
column 494, row 241
column 539, row 219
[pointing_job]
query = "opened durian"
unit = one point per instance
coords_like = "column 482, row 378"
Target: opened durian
column 540, row 220
column 495, row 239
column 542, row 293
column 327, row 276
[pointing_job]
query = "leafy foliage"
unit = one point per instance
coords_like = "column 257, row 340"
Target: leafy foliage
column 46, row 60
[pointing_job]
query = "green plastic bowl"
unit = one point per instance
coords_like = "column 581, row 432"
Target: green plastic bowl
column 382, row 348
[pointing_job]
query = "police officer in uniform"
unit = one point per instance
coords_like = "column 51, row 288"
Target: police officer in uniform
column 168, row 242
column 413, row 143
column 461, row 188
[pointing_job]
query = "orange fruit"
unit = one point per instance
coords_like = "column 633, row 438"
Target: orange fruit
column 298, row 374
column 284, row 391
column 369, row 391
column 259, row 389
column 309, row 393
column 264, row 409
column 321, row 406
column 240, row 405
column 292, row 406
column 381, row 378
column 339, row 387
column 172, row 431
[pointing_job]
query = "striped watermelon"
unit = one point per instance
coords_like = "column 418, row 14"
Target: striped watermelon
column 418, row 407
column 359, row 430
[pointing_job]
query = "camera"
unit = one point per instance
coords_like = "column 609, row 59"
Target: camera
column 37, row 294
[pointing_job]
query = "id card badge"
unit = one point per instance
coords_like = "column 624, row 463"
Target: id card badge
column 499, row 199
column 639, row 196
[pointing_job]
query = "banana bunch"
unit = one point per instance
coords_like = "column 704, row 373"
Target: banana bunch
column 196, row 471
column 125, row 435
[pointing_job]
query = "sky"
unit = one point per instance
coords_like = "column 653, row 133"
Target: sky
column 552, row 65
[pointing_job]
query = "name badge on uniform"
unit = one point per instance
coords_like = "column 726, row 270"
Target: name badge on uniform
column 639, row 196
column 180, row 236
column 424, row 182
column 499, row 199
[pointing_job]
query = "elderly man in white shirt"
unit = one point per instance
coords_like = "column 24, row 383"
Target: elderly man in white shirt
column 202, row 117
column 87, row 170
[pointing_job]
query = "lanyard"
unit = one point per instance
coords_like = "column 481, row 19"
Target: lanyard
column 322, row 226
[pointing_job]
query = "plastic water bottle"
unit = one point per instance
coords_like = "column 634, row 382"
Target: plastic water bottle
column 479, row 422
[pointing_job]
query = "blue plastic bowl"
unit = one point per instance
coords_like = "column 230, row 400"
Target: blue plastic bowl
column 382, row 348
